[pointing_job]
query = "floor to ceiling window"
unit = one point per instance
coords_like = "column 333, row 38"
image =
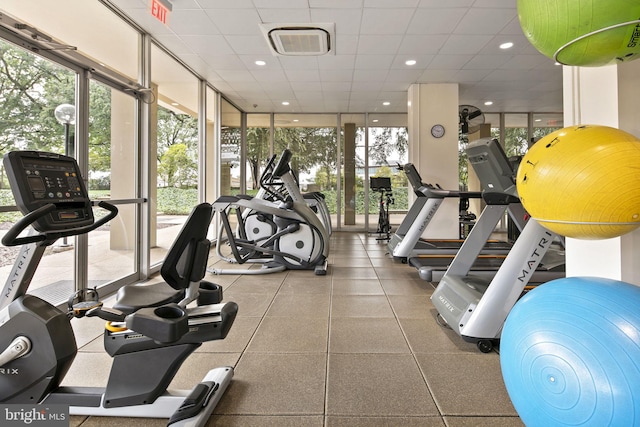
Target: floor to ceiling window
column 176, row 144
column 32, row 89
column 231, row 171
column 258, row 149
column 312, row 138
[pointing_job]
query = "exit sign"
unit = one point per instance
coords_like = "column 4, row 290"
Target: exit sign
column 160, row 9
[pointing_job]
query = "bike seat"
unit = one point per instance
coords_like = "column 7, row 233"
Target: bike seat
column 131, row 298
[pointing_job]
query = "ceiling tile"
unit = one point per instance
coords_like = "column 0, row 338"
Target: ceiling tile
column 303, row 75
column 347, row 20
column 387, row 44
column 244, row 45
column 465, row 44
column 485, row 21
column 191, row 22
column 225, row 4
column 374, row 62
column 208, row 45
column 422, row 43
column 435, row 21
column 369, row 75
column 335, row 4
column 385, row 21
column 449, row 61
column 452, row 41
column 436, row 4
column 236, row 21
column 281, row 4
column 344, row 75
column 285, row 16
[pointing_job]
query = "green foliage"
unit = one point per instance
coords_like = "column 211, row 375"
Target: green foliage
column 177, row 168
column 176, row 201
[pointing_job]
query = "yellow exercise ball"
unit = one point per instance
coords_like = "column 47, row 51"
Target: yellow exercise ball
column 583, row 182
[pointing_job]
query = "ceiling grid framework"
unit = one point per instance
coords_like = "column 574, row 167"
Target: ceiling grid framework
column 453, row 41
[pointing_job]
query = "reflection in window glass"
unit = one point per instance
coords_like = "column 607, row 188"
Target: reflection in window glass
column 177, row 149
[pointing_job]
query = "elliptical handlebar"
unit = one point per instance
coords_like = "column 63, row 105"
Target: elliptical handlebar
column 11, row 237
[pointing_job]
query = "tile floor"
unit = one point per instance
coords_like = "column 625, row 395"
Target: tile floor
column 359, row 347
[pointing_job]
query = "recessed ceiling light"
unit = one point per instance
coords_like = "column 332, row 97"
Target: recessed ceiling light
column 411, row 62
column 175, row 104
column 296, row 120
column 285, row 102
column 506, row 45
column 261, row 63
column 488, row 103
column 386, row 103
column 537, row 120
column 375, row 120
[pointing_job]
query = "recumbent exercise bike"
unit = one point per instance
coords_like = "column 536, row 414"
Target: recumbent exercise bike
column 150, row 330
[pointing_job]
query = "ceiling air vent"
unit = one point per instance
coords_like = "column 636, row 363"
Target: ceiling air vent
column 300, row 40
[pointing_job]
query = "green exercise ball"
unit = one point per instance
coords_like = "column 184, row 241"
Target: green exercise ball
column 586, row 33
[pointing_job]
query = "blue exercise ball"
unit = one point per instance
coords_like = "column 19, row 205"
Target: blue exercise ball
column 570, row 354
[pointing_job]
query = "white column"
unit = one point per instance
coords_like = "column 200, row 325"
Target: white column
column 603, row 96
column 436, row 158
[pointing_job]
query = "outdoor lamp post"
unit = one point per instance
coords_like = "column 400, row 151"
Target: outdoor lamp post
column 66, row 116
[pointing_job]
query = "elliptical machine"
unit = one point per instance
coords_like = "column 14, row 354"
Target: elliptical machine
column 150, row 331
column 299, row 240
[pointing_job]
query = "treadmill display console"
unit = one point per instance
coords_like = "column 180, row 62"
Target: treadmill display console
column 39, row 178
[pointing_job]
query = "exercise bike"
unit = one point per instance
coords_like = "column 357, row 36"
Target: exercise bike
column 150, row 330
column 382, row 185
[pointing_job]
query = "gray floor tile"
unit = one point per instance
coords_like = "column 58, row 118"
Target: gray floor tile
column 306, row 285
column 410, row 286
column 467, row 384
column 384, row 422
column 483, row 422
column 276, row 384
column 291, row 335
column 265, row 421
column 351, row 262
column 250, row 304
column 357, row 287
column 237, row 339
column 427, row 336
column 197, row 365
column 376, row 385
column 411, row 306
column 297, row 305
column 354, row 348
column 360, row 306
column 366, row 335
column 397, row 273
column 354, row 273
column 116, row 422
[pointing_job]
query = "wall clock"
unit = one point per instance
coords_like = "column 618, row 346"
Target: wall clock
column 437, row 131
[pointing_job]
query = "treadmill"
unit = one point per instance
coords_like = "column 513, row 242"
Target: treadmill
column 406, row 241
column 499, row 193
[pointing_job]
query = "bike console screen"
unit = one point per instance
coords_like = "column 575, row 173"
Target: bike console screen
column 38, row 179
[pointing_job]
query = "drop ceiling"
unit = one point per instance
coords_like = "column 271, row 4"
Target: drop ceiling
column 452, row 41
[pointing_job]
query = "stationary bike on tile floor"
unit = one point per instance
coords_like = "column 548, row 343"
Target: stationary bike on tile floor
column 150, row 330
